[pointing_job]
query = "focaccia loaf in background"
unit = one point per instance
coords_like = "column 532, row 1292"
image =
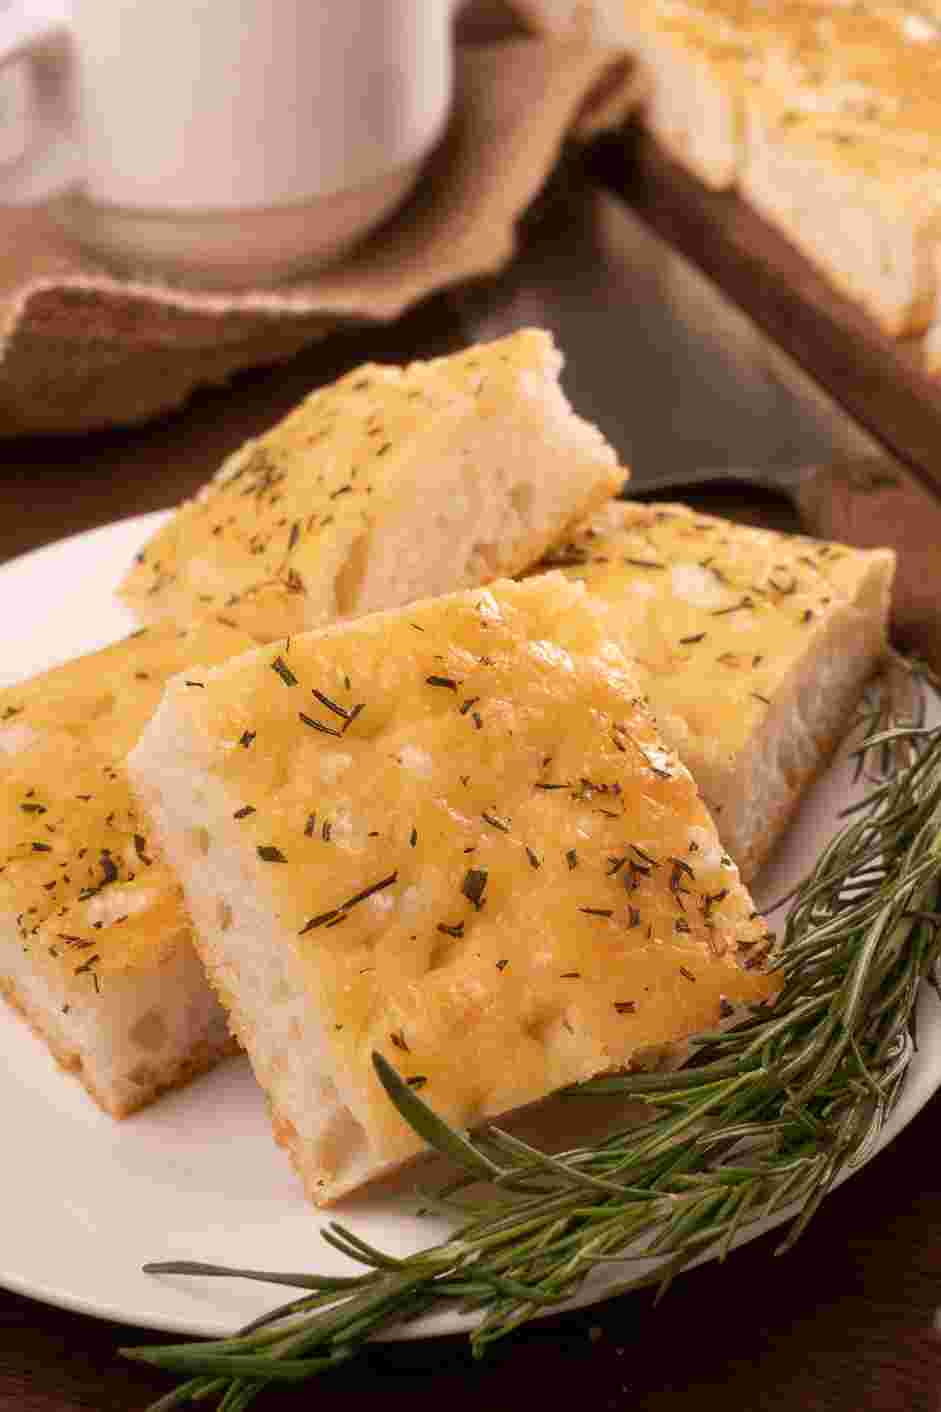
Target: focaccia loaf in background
column 95, row 946
column 450, row 833
column 752, row 646
column 842, row 155
column 392, row 484
column 827, row 118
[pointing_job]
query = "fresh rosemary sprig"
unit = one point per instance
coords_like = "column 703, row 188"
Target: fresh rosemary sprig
column 763, row 1118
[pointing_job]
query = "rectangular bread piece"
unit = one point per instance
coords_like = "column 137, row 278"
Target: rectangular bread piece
column 752, row 646
column 826, row 116
column 392, row 484
column 452, row 834
column 95, row 947
column 842, row 156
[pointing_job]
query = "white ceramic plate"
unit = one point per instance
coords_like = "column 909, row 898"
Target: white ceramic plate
column 86, row 1201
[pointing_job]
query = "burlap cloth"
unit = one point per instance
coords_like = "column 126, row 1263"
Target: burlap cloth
column 80, row 349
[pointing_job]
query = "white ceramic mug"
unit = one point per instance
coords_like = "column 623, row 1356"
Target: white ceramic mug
column 230, row 142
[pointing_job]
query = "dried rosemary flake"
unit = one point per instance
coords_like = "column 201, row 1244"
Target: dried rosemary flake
column 688, row 974
column 369, row 891
column 398, row 1039
column 503, row 963
column 413, row 838
column 332, row 706
column 244, row 812
column 417, row 1080
column 712, row 899
column 693, row 638
column 457, row 930
column 246, row 738
column 351, row 715
column 447, row 682
column 745, row 603
column 571, row 858
column 318, row 725
column 469, row 704
column 473, row 886
column 284, row 671
column 320, row 920
column 597, row 911
column 625, row 1007
column 534, row 860
column 496, row 822
column 338, row 914
column 269, row 854
column 140, row 844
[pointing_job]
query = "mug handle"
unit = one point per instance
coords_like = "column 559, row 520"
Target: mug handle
column 36, row 32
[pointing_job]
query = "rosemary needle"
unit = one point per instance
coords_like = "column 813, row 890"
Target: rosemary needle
column 765, row 1116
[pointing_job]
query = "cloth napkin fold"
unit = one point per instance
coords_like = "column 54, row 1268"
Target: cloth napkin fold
column 81, row 349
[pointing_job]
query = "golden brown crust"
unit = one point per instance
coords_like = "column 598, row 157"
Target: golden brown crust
column 534, row 890
column 752, row 647
column 78, row 875
column 94, row 941
column 104, row 699
column 476, row 455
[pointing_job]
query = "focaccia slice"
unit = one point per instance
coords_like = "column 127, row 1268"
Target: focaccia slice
column 752, row 646
column 391, row 484
column 826, row 116
column 842, row 155
column 452, row 834
column 95, row 946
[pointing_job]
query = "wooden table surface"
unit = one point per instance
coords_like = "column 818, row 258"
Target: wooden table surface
column 846, row 1321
